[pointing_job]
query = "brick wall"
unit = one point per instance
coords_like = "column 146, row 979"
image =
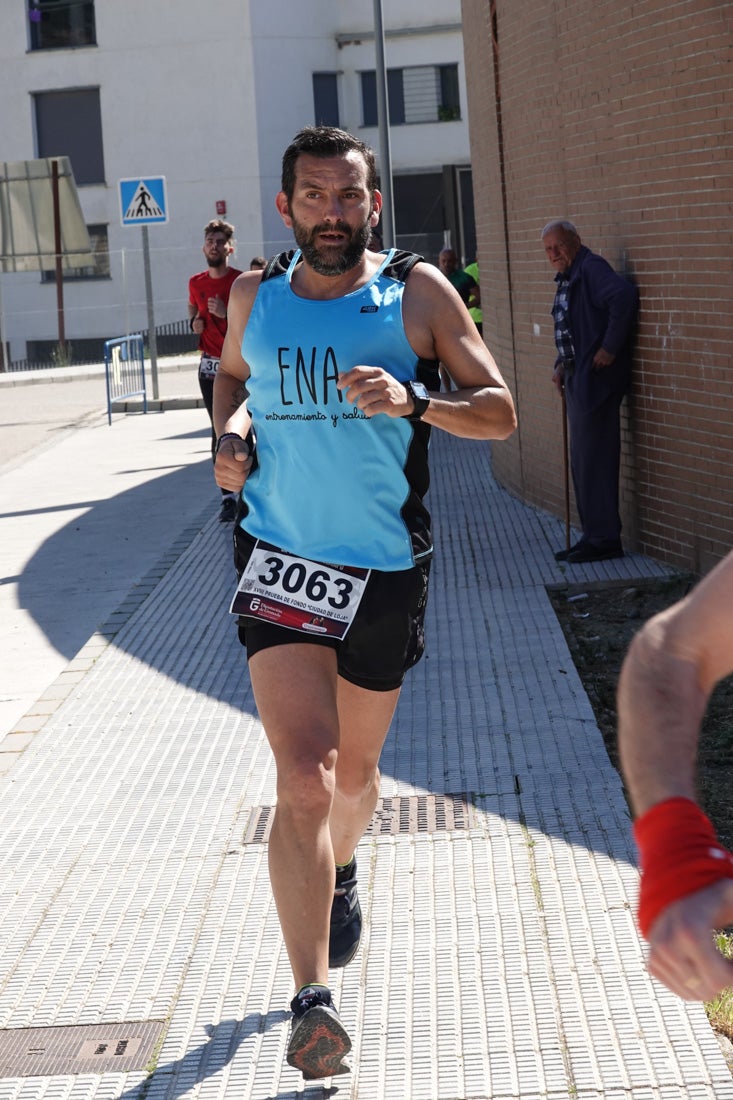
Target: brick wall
column 617, row 116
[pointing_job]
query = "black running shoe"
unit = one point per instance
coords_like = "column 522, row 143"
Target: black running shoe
column 345, row 918
column 318, row 1040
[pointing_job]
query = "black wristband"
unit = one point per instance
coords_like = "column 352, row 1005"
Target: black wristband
column 191, row 321
column 227, row 435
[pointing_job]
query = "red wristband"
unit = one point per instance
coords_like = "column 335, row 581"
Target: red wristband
column 679, row 855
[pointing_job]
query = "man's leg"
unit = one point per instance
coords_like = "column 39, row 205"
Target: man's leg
column 364, row 718
column 595, row 453
column 326, row 735
column 364, row 721
column 301, row 702
column 206, row 385
column 228, row 499
column 295, row 690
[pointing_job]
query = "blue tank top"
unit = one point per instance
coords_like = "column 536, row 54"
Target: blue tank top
column 329, row 483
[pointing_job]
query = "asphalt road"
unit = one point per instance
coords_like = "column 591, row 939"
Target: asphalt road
column 38, row 408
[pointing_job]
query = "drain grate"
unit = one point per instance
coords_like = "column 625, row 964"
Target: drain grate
column 400, row 815
column 89, row 1048
column 421, row 813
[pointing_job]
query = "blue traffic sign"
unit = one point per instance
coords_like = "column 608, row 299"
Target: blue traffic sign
column 143, row 200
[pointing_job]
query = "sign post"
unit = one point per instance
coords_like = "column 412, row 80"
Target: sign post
column 143, row 202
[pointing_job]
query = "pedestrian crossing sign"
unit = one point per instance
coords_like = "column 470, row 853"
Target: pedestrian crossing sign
column 143, row 200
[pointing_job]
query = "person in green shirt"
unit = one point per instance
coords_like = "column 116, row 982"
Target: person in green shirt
column 448, row 264
column 474, row 298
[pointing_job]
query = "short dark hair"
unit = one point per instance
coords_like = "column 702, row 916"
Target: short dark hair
column 218, row 225
column 325, row 141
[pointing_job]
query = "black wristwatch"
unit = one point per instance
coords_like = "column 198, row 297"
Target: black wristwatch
column 420, row 397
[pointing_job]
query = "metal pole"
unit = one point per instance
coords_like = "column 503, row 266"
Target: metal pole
column 125, row 293
column 152, row 342
column 385, row 155
column 59, row 262
column 4, row 345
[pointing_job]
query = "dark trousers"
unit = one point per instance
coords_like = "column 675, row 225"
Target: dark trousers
column 206, row 385
column 595, row 456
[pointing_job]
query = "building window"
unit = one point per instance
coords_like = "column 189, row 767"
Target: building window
column 394, row 95
column 449, row 107
column 99, row 267
column 420, row 93
column 56, row 24
column 325, row 99
column 69, row 123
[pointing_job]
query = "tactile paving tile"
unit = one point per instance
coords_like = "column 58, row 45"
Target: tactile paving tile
column 499, row 961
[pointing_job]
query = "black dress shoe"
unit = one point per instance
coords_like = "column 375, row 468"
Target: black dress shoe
column 588, row 552
column 562, row 555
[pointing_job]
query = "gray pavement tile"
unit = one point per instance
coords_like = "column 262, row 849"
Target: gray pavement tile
column 499, row 960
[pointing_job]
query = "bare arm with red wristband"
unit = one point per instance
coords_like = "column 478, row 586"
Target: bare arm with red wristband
column 687, row 875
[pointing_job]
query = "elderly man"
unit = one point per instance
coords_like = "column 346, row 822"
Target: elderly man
column 595, row 313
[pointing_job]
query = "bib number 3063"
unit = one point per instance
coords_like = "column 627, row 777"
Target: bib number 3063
column 298, row 593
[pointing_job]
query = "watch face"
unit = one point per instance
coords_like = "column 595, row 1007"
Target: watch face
column 419, row 390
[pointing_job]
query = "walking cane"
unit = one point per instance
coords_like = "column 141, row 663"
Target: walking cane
column 566, row 474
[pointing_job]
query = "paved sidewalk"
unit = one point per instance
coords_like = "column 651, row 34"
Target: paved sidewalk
column 500, row 959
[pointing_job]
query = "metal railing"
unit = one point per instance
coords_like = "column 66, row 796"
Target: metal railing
column 124, row 369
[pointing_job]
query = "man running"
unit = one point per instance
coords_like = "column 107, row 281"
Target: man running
column 208, row 295
column 336, row 350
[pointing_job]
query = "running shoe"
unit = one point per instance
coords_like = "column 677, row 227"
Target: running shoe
column 345, row 918
column 318, row 1039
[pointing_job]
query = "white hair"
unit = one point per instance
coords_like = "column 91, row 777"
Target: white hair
column 559, row 223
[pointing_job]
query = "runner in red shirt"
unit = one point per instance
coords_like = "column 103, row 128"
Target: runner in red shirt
column 208, row 295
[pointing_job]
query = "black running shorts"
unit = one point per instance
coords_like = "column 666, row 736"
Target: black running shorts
column 386, row 638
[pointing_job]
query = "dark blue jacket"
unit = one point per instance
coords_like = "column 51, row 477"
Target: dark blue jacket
column 602, row 309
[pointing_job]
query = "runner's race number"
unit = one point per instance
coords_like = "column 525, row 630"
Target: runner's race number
column 299, row 593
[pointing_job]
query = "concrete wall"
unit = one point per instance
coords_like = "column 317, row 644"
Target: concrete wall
column 617, row 116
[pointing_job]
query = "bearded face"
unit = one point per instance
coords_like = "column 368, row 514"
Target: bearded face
column 331, row 249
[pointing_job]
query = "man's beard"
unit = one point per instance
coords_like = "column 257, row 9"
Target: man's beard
column 331, row 261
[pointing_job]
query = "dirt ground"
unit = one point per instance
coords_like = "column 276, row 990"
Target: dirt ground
column 598, row 625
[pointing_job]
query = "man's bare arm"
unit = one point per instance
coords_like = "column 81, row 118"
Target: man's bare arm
column 438, row 326
column 672, row 666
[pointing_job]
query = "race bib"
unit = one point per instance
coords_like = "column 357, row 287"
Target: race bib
column 298, row 593
column 208, row 366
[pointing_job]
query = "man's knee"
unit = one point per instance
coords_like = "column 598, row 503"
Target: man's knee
column 306, row 783
column 355, row 783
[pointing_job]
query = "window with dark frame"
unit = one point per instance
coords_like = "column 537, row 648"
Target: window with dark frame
column 60, row 24
column 69, row 123
column 395, row 95
column 325, row 99
column 449, row 108
column 419, row 93
column 98, row 269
